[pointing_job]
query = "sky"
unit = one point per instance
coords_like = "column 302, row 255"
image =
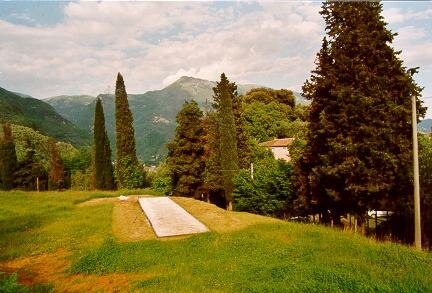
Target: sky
column 69, row 48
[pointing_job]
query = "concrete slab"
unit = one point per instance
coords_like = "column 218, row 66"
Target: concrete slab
column 168, row 218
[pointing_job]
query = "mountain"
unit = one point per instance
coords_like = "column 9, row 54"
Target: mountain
column 425, row 126
column 27, row 111
column 154, row 112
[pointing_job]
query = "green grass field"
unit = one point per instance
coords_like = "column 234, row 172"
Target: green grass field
column 260, row 254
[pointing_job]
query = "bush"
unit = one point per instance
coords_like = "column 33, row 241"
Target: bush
column 269, row 193
column 10, row 284
column 81, row 181
column 162, row 180
column 134, row 175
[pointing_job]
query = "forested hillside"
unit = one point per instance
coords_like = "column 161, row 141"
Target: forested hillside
column 34, row 113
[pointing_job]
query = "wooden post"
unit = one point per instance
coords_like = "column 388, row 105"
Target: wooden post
column 37, row 184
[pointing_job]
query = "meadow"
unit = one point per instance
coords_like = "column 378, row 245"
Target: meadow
column 58, row 242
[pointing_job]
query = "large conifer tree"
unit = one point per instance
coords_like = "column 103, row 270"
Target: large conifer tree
column 103, row 169
column 224, row 93
column 185, row 154
column 8, row 158
column 125, row 136
column 358, row 154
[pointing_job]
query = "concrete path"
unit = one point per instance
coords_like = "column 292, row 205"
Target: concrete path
column 168, row 218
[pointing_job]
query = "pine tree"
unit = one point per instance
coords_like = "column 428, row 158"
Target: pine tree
column 358, row 154
column 103, row 169
column 56, row 168
column 125, row 139
column 185, row 154
column 224, row 93
column 8, row 158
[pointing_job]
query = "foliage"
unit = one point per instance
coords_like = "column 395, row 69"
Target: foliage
column 30, row 172
column 425, row 168
column 82, row 180
column 269, row 192
column 358, row 150
column 267, row 96
column 186, row 152
column 133, row 173
column 8, row 158
column 224, row 94
column 103, row 169
column 56, row 178
column 162, row 180
column 125, row 140
column 9, row 284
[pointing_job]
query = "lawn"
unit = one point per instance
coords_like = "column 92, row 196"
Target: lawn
column 66, row 242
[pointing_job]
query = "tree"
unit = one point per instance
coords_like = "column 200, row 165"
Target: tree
column 224, row 93
column 103, row 169
column 125, row 140
column 425, row 166
column 270, row 191
column 358, row 153
column 56, row 169
column 185, row 153
column 30, row 172
column 8, row 158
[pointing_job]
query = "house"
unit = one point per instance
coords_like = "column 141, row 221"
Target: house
column 279, row 147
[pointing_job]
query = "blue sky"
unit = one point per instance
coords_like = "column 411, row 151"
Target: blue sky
column 54, row 48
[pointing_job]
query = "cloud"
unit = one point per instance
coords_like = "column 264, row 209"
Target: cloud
column 154, row 43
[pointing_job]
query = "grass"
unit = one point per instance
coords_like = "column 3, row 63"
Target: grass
column 243, row 253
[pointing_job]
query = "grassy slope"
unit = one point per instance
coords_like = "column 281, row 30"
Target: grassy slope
column 243, row 253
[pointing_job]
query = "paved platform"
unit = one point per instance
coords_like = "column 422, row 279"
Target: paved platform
column 168, row 218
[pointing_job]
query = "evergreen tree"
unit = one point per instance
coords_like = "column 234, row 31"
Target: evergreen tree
column 224, row 93
column 358, row 155
column 185, row 154
column 8, row 158
column 103, row 169
column 213, row 175
column 125, row 139
column 56, row 171
column 30, row 171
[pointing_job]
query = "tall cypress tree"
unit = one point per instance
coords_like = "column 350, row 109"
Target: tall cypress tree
column 56, row 169
column 358, row 154
column 224, row 93
column 186, row 152
column 8, row 158
column 125, row 137
column 103, row 169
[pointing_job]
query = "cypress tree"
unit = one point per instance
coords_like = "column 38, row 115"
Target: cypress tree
column 56, row 171
column 358, row 155
column 125, row 137
column 8, row 158
column 224, row 93
column 103, row 169
column 30, row 171
column 185, row 154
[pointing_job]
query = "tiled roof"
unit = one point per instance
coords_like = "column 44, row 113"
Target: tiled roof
column 280, row 142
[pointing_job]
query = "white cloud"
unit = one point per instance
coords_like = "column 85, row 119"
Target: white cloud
column 153, row 44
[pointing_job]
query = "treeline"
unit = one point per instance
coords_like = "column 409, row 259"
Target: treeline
column 211, row 155
column 82, row 169
column 352, row 155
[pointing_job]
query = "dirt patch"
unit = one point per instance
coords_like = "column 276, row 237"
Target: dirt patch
column 129, row 222
column 52, row 269
column 220, row 220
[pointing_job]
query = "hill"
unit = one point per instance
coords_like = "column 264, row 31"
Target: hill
column 425, row 126
column 154, row 112
column 90, row 247
column 24, row 110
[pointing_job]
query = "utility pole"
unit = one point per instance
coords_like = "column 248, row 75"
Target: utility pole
column 417, row 223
